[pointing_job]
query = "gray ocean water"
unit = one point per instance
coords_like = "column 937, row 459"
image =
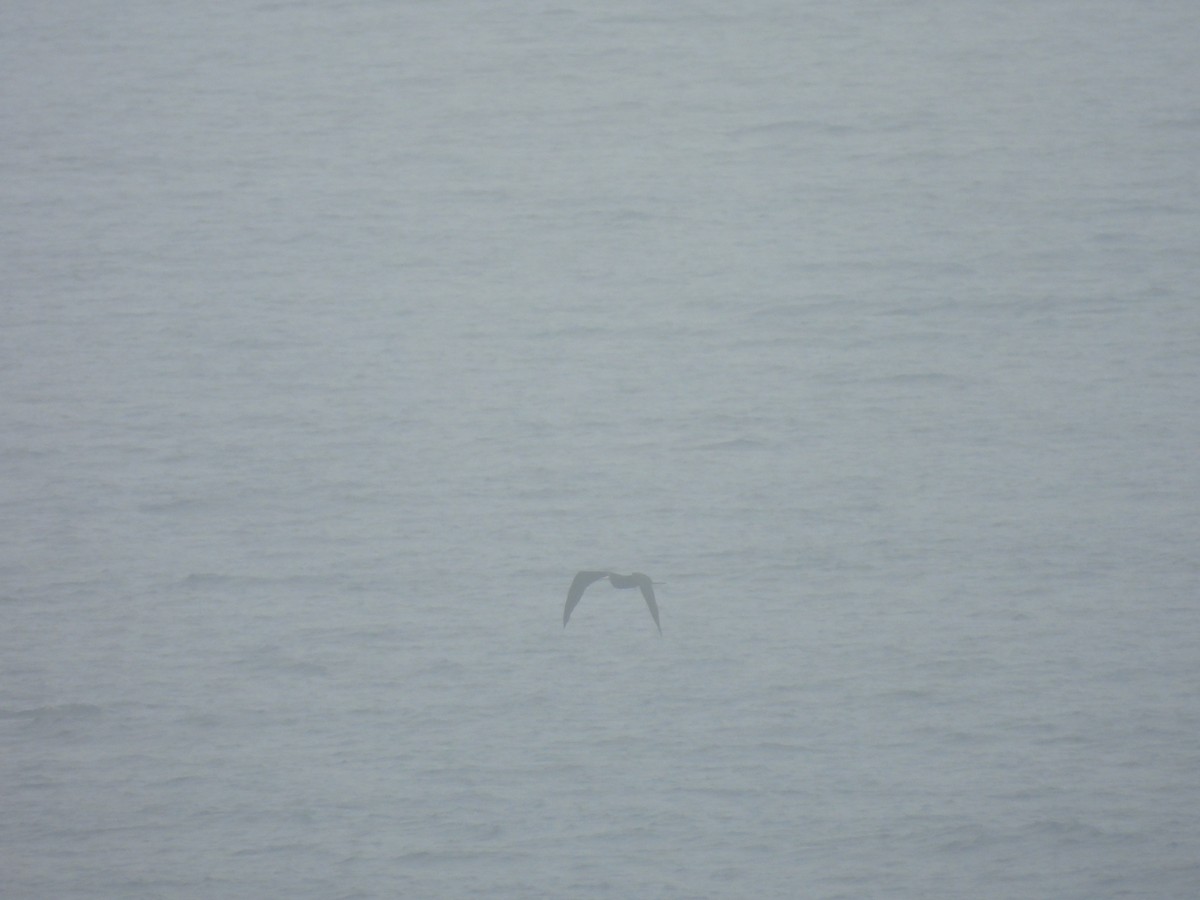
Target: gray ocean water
column 335, row 338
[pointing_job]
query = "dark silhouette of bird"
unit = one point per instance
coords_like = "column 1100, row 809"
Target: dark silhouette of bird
column 636, row 580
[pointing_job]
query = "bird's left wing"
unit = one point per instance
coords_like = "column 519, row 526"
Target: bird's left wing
column 578, row 586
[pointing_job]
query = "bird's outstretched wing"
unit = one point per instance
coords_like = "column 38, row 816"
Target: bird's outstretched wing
column 578, row 586
column 647, row 586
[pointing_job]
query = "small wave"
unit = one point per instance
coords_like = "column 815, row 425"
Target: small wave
column 736, row 444
column 267, row 658
column 784, row 748
column 292, row 667
column 782, row 127
column 898, row 695
column 291, row 848
column 941, row 378
column 211, row 580
column 576, row 331
column 170, row 505
column 219, row 580
column 64, row 712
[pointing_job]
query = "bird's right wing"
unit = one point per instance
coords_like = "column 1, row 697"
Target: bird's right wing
column 578, row 586
column 647, row 587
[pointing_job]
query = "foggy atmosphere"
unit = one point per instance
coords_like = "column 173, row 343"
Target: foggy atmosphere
column 848, row 353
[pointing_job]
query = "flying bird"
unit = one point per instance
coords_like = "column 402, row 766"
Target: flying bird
column 636, row 580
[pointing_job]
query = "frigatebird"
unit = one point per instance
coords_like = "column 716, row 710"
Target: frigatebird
column 636, row 580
